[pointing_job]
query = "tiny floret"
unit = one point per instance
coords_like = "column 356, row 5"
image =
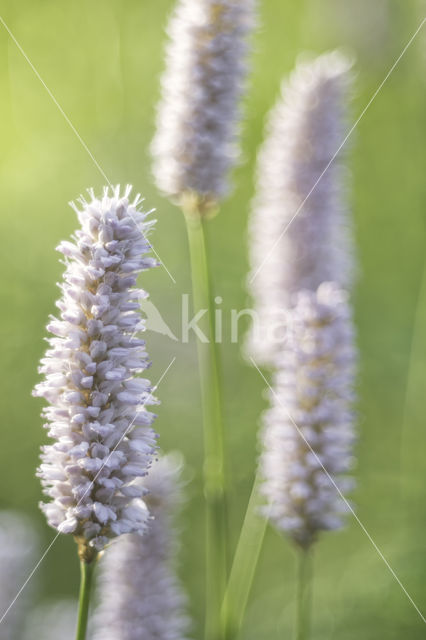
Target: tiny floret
column 309, row 431
column 198, row 117
column 103, row 442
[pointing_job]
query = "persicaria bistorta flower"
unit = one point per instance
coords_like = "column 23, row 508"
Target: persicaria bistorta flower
column 18, row 554
column 140, row 596
column 309, row 431
column 197, row 123
column 52, row 620
column 97, row 416
column 300, row 231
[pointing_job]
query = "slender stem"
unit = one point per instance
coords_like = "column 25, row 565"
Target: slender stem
column 244, row 565
column 214, row 459
column 414, row 380
column 86, row 573
column 303, row 594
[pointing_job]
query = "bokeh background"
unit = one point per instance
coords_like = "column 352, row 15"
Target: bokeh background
column 102, row 60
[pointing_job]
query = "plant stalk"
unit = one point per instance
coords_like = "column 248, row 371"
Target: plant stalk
column 86, row 578
column 413, row 387
column 303, row 594
column 244, row 565
column 214, row 458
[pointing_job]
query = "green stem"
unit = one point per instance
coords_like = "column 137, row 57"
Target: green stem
column 414, row 384
column 214, row 460
column 244, row 565
column 303, row 594
column 86, row 573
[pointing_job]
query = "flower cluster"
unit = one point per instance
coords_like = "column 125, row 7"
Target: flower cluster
column 97, row 415
column 197, row 123
column 140, row 594
column 18, row 554
column 300, row 229
column 309, row 431
column 53, row 620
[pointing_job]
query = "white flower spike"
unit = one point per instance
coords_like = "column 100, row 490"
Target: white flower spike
column 313, row 389
column 19, row 547
column 52, row 620
column 300, row 231
column 198, row 118
column 140, row 595
column 97, row 416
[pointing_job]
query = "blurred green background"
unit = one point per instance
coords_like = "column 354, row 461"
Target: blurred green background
column 102, row 60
